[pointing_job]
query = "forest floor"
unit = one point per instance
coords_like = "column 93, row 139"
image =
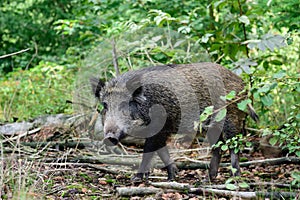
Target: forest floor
column 81, row 169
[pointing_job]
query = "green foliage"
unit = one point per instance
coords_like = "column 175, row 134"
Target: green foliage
column 221, row 115
column 25, row 24
column 236, row 143
column 288, row 135
column 243, row 104
column 258, row 40
column 40, row 90
column 296, row 176
column 208, row 111
column 235, row 183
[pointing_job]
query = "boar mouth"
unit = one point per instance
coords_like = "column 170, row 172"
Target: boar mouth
column 112, row 139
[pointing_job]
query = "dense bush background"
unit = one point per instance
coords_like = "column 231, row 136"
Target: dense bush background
column 257, row 39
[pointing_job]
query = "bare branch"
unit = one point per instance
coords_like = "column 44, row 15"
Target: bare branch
column 115, row 57
column 15, row 53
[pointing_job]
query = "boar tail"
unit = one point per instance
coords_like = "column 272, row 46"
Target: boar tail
column 252, row 113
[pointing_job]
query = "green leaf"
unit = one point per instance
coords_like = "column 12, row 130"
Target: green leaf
column 266, row 132
column 224, row 147
column 221, row 115
column 217, row 3
column 296, row 175
column 273, row 85
column 205, row 38
column 267, row 100
column 217, row 145
column 236, row 150
column 268, row 41
column 233, row 170
column 231, row 186
column 244, row 19
column 273, row 141
column 206, row 113
column 264, row 89
column 276, row 62
column 279, row 75
column 231, row 95
column 248, row 144
column 243, row 104
column 244, row 185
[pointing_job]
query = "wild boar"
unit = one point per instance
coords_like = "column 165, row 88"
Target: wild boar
column 154, row 102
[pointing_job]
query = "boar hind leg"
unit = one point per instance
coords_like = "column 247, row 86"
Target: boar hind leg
column 214, row 163
column 235, row 163
column 164, row 155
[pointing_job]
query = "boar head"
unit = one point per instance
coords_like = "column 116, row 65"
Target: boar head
column 125, row 108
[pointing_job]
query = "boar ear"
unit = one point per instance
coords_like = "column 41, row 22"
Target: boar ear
column 97, row 86
column 138, row 95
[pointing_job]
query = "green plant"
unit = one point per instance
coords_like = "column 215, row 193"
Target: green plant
column 236, row 183
column 288, row 135
column 40, row 90
column 237, row 143
column 296, row 176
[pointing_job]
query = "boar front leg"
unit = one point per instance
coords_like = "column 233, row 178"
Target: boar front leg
column 156, row 143
column 150, row 148
column 144, row 167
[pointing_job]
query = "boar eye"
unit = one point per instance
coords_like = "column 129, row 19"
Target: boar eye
column 104, row 104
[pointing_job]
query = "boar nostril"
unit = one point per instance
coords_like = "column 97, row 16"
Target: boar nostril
column 110, row 141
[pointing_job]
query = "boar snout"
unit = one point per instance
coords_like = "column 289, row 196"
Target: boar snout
column 112, row 139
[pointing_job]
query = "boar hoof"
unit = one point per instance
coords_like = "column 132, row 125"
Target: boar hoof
column 172, row 171
column 139, row 177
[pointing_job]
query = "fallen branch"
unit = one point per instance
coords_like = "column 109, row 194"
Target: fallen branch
column 135, row 159
column 265, row 184
column 101, row 159
column 171, row 185
column 243, row 195
column 18, row 137
column 278, row 185
column 130, row 191
column 57, row 145
column 255, row 130
column 15, row 53
column 100, row 168
column 227, row 193
column 271, row 161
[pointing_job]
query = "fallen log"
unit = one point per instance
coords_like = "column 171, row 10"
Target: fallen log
column 270, row 161
column 171, row 185
column 243, row 195
column 131, row 191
